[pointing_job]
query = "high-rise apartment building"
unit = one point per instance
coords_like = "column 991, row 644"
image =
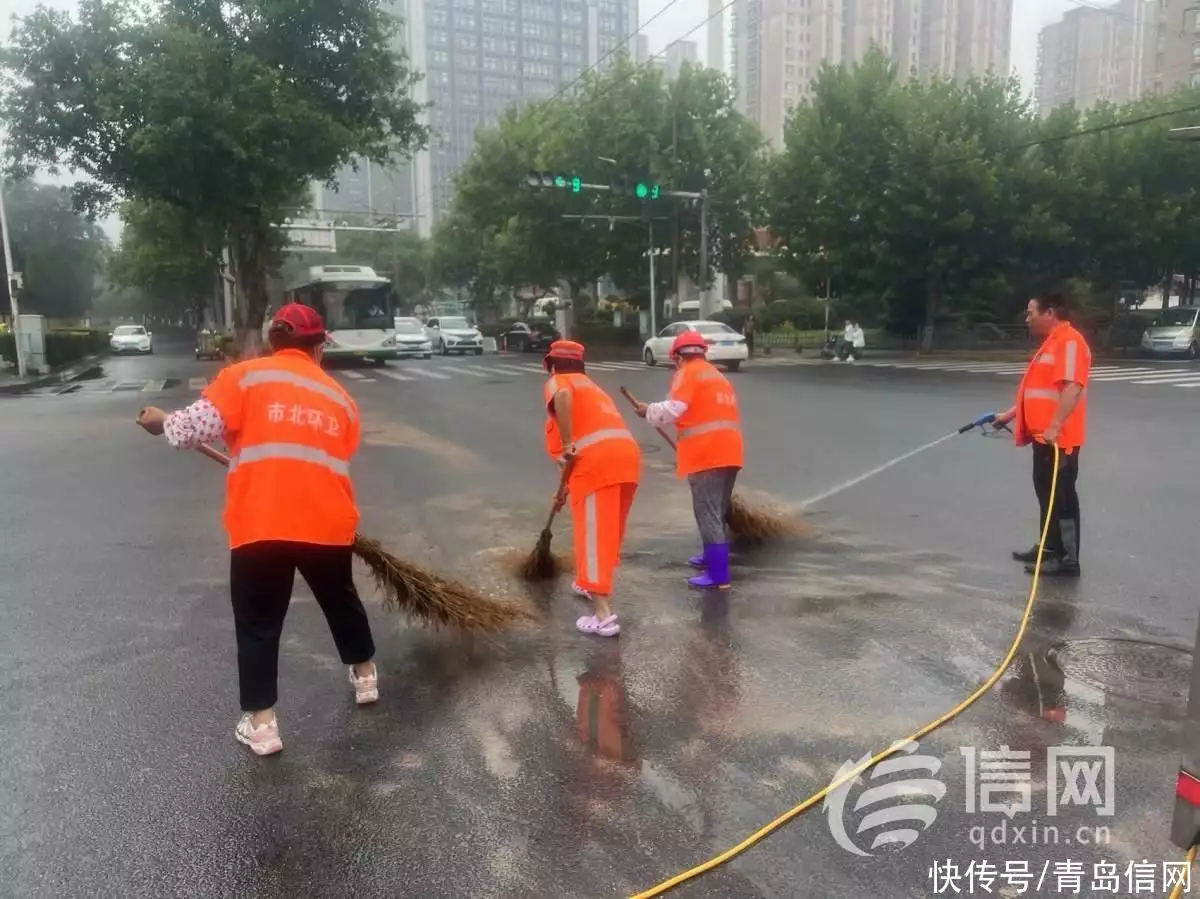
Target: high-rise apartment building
column 478, row 58
column 675, row 54
column 1094, row 54
column 1170, row 45
column 779, row 45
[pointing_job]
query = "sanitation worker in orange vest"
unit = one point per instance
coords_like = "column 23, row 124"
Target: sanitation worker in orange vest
column 289, row 505
column 585, row 431
column 709, row 453
column 1051, row 410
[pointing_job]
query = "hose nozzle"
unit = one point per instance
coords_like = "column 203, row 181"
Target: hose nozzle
column 985, row 419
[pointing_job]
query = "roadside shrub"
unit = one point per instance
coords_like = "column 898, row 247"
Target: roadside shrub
column 601, row 334
column 62, row 347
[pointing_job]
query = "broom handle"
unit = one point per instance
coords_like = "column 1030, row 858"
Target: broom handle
column 633, row 400
column 213, row 453
column 562, row 483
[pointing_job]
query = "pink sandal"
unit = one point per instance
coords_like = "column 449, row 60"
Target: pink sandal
column 589, row 624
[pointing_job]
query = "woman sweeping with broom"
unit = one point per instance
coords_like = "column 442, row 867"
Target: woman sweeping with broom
column 602, row 464
column 704, row 408
column 289, row 505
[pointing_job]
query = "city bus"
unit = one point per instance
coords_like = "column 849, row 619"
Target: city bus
column 356, row 305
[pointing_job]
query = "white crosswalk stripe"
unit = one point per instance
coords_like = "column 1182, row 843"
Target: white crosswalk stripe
column 427, row 373
column 1144, row 375
column 395, row 375
column 197, row 384
column 154, row 386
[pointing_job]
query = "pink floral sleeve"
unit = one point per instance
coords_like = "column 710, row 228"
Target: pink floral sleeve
column 198, row 423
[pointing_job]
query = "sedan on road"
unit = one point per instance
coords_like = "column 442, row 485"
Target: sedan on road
column 523, row 337
column 453, row 334
column 411, row 339
column 726, row 346
column 131, row 339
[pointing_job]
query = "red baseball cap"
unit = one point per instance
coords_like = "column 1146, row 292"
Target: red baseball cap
column 298, row 319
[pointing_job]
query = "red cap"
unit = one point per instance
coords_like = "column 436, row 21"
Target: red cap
column 689, row 341
column 565, row 349
column 298, row 319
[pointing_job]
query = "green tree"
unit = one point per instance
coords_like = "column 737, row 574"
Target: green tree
column 58, row 252
column 166, row 254
column 226, row 110
column 402, row 256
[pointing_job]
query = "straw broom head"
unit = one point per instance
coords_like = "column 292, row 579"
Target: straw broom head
column 432, row 600
column 541, row 564
column 756, row 525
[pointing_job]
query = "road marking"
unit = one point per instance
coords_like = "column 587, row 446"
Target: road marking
column 1127, row 374
column 197, row 383
column 425, row 373
column 127, row 385
column 1165, row 379
column 1187, row 384
column 474, row 372
column 511, row 369
column 154, row 386
column 617, row 366
column 396, row 376
column 354, row 375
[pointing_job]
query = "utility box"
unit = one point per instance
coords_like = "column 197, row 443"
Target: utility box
column 32, row 334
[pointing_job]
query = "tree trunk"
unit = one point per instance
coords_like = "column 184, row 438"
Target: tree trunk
column 931, row 305
column 250, row 246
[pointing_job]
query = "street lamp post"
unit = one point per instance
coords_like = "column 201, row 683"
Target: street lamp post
column 13, row 289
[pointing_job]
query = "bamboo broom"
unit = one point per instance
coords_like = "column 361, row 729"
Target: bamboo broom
column 431, row 600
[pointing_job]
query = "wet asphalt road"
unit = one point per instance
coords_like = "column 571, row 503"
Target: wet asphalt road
column 553, row 765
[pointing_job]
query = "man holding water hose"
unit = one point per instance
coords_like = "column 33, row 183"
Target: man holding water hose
column 1051, row 410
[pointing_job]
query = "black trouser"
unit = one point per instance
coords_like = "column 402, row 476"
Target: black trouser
column 260, row 583
column 1066, row 500
column 750, row 343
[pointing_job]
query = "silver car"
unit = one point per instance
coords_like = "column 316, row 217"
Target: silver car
column 131, row 339
column 452, row 334
column 1173, row 333
column 411, row 339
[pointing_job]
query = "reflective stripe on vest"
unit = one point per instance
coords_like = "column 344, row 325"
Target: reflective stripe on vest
column 1041, row 393
column 1045, row 359
column 605, row 434
column 297, row 452
column 707, row 427
column 280, row 376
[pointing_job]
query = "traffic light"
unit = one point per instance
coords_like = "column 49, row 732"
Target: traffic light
column 647, row 190
column 573, row 183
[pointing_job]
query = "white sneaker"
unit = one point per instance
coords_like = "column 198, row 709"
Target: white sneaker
column 366, row 689
column 262, row 740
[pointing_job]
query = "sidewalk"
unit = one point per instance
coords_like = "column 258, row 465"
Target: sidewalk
column 11, row 385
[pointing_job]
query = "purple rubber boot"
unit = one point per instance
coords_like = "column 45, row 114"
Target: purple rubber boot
column 716, row 574
column 697, row 561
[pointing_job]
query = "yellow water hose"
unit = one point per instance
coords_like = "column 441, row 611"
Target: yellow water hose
column 1190, row 858
column 766, row 830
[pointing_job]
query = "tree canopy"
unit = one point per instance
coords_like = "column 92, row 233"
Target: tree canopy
column 931, row 201
column 58, row 252
column 623, row 126
column 225, row 110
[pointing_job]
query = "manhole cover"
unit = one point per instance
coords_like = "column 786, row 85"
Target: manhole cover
column 1133, row 669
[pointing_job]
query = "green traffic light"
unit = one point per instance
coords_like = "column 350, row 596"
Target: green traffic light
column 576, row 184
column 560, row 181
column 641, row 191
column 655, row 190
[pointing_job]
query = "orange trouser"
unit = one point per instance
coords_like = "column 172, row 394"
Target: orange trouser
column 599, row 523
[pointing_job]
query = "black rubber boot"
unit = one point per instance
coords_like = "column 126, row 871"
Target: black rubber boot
column 1029, row 556
column 1067, row 563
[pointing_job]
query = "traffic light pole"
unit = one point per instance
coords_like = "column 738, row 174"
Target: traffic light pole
column 650, row 233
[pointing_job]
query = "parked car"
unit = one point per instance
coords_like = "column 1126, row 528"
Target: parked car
column 1174, row 333
column 411, row 339
column 453, row 334
column 131, row 339
column 528, row 338
column 725, row 346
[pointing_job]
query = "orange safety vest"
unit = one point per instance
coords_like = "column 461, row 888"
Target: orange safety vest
column 1063, row 358
column 709, row 432
column 291, row 430
column 607, row 454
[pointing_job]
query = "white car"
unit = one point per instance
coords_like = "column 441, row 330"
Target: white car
column 725, row 346
column 453, row 334
column 131, row 339
column 411, row 339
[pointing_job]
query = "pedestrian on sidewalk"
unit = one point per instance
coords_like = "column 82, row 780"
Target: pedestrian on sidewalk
column 704, row 409
column 585, row 431
column 1051, row 410
column 858, row 341
column 748, row 328
column 291, row 432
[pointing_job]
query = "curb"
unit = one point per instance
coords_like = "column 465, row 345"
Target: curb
column 78, row 371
